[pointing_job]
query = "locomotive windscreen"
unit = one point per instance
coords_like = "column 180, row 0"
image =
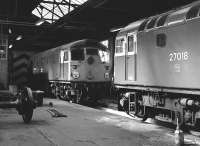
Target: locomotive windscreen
column 92, row 51
column 77, row 54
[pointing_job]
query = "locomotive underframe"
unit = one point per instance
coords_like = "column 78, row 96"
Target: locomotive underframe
column 79, row 92
column 161, row 104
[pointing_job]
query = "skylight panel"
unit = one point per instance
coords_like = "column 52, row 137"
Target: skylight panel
column 58, row 12
column 77, row 2
column 59, row 0
column 36, row 13
column 52, row 10
column 64, row 9
column 47, row 6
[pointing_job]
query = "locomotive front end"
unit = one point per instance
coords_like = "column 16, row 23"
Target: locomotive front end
column 86, row 66
column 91, row 73
column 93, row 67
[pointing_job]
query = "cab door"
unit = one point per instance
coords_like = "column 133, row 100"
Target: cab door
column 119, row 59
column 131, row 57
column 64, row 65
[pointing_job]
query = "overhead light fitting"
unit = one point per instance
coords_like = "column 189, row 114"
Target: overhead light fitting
column 10, row 46
column 19, row 37
column 9, row 30
column 39, row 22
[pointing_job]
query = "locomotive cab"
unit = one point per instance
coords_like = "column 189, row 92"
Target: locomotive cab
column 88, row 70
column 84, row 64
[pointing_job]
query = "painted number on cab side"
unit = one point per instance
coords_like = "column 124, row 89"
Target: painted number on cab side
column 178, row 56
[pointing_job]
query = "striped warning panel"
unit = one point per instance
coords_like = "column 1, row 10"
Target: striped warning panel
column 20, row 68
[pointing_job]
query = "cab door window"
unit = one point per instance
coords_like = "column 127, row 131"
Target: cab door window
column 120, row 46
column 65, row 57
column 132, row 44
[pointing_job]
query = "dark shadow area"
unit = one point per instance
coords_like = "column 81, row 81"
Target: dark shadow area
column 18, row 124
column 191, row 145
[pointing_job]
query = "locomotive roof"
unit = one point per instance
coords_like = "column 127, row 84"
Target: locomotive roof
column 84, row 43
column 78, row 44
column 175, row 16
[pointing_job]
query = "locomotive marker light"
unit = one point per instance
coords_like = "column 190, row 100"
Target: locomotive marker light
column 75, row 74
column 106, row 75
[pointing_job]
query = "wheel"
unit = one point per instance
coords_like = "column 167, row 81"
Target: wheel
column 141, row 116
column 119, row 97
column 197, row 124
column 138, row 110
column 26, row 104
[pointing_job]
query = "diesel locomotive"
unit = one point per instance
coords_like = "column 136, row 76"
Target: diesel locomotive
column 156, row 66
column 78, row 71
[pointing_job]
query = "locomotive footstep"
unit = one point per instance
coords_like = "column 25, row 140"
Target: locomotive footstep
column 54, row 113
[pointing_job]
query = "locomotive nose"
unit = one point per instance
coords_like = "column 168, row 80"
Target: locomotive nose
column 90, row 75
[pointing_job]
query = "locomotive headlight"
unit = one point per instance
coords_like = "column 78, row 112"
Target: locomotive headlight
column 74, row 66
column 106, row 75
column 75, row 74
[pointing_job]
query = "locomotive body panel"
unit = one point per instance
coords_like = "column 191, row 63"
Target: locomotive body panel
column 173, row 65
column 165, row 66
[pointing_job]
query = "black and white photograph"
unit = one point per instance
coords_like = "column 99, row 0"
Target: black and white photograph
column 100, row 73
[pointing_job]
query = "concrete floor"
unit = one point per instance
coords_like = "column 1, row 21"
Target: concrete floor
column 83, row 126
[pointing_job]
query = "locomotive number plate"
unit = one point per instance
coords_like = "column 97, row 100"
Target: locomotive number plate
column 178, row 56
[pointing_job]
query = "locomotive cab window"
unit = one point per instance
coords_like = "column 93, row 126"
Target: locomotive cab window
column 161, row 20
column 77, row 54
column 104, row 56
column 130, row 43
column 151, row 23
column 91, row 51
column 66, row 58
column 142, row 25
column 119, row 46
column 193, row 12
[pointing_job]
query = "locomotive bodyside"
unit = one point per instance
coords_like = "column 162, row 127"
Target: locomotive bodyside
column 176, row 61
column 75, row 69
column 161, row 75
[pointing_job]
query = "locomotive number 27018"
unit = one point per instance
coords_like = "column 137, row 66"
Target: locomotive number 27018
column 178, row 56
